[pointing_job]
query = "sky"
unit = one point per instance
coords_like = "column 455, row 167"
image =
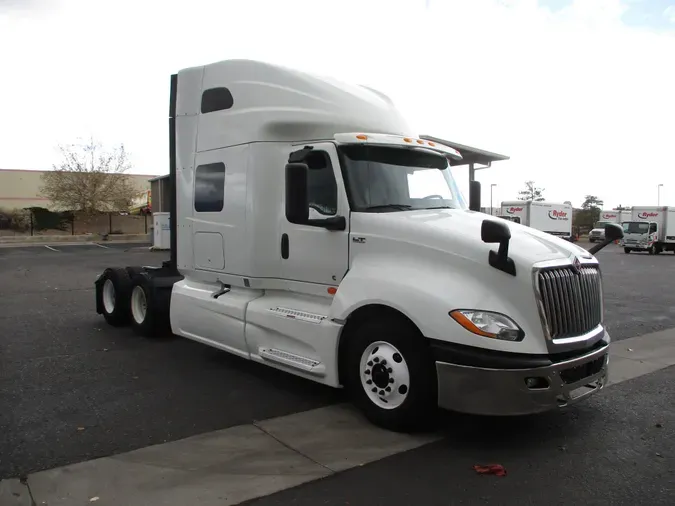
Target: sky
column 579, row 93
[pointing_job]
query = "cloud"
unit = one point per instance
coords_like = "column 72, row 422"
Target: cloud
column 579, row 101
column 669, row 13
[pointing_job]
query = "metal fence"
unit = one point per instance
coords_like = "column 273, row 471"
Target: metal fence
column 32, row 222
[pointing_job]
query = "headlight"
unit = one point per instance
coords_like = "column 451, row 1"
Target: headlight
column 488, row 324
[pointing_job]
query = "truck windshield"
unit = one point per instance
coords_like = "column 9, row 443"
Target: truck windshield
column 635, row 227
column 391, row 179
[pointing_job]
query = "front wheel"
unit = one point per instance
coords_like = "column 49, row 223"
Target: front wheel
column 626, row 250
column 391, row 375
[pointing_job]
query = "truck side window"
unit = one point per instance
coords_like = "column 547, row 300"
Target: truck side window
column 210, row 188
column 321, row 184
column 652, row 228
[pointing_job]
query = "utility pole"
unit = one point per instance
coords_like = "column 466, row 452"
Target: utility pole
column 658, row 194
column 491, row 186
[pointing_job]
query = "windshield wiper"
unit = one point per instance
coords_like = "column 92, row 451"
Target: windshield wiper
column 438, row 207
column 399, row 207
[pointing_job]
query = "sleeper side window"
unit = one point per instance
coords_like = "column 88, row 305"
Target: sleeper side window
column 210, row 188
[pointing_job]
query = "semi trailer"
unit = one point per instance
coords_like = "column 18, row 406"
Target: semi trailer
column 314, row 232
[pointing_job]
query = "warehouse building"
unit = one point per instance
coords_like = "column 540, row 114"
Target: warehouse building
column 21, row 188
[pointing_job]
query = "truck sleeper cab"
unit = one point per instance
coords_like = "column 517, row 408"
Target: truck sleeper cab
column 312, row 232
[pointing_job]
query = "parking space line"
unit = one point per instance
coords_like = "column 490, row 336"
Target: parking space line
column 264, row 457
column 53, row 249
column 100, row 245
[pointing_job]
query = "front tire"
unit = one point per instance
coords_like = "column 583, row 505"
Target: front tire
column 626, row 250
column 391, row 375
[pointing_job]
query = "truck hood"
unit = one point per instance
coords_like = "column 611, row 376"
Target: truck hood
column 458, row 232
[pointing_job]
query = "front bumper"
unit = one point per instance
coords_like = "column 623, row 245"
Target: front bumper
column 637, row 246
column 496, row 384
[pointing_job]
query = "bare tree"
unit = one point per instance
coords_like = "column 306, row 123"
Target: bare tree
column 90, row 178
column 531, row 192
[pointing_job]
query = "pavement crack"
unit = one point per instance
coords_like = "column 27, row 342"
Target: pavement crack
column 255, row 424
column 24, row 481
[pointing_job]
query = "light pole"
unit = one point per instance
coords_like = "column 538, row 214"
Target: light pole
column 491, row 186
column 658, row 194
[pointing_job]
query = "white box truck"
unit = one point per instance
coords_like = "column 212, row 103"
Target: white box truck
column 313, row 232
column 550, row 217
column 650, row 229
column 597, row 234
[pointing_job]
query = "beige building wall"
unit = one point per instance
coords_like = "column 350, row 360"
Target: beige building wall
column 21, row 188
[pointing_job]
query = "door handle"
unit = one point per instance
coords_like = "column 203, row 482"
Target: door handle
column 284, row 246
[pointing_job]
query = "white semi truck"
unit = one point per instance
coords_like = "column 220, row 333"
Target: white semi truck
column 550, row 217
column 313, row 232
column 597, row 234
column 650, row 229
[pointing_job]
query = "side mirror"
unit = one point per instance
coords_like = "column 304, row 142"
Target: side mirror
column 496, row 231
column 297, row 201
column 613, row 232
column 492, row 231
column 474, row 196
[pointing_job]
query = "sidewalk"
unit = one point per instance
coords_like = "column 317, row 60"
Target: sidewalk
column 229, row 466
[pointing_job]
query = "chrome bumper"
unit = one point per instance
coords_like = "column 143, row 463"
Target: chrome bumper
column 487, row 391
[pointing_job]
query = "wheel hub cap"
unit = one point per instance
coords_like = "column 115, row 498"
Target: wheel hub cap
column 384, row 375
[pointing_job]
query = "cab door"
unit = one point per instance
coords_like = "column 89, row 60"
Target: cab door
column 313, row 254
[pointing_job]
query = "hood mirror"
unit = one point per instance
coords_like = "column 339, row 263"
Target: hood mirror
column 493, row 231
column 613, row 232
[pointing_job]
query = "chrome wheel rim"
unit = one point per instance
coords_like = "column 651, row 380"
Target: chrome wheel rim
column 109, row 296
column 139, row 304
column 384, row 374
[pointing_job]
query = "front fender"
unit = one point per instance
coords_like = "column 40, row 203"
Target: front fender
column 425, row 291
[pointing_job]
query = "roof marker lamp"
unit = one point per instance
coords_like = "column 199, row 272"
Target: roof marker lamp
column 488, row 324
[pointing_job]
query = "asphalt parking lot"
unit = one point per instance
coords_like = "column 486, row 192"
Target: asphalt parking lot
column 73, row 389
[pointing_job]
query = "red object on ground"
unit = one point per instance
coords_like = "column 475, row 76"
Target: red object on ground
column 496, row 469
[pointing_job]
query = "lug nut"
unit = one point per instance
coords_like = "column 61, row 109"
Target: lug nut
column 390, row 370
column 381, row 392
column 384, row 362
column 388, row 389
column 367, row 371
column 376, row 359
column 391, row 380
column 374, row 389
column 369, row 382
column 370, row 363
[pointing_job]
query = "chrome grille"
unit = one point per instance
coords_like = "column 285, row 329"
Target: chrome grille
column 571, row 299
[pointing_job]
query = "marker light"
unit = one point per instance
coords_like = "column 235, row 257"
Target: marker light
column 488, row 324
column 394, row 140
